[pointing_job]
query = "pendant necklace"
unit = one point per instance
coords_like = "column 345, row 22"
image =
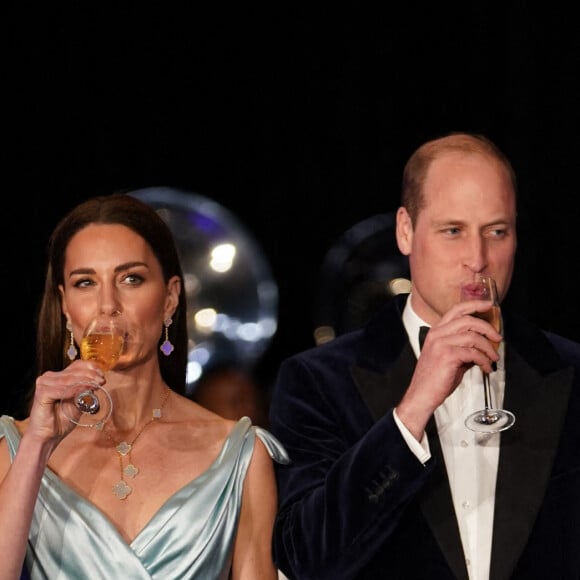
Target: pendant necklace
column 122, row 489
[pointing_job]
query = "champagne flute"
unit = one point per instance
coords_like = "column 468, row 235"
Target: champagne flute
column 488, row 419
column 103, row 341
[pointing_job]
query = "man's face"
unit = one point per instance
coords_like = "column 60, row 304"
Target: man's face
column 467, row 225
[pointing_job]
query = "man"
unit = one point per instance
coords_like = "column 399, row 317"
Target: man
column 386, row 481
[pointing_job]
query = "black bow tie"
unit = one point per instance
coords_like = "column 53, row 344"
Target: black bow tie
column 423, row 330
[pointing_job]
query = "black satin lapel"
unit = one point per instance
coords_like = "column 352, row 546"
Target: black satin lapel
column 527, row 454
column 437, row 506
column 382, row 392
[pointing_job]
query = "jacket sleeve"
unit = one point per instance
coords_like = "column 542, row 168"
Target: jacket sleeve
column 348, row 480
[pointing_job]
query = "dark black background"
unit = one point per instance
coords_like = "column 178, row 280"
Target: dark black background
column 298, row 120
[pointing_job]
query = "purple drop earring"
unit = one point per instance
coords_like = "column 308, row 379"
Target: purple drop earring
column 72, row 351
column 166, row 347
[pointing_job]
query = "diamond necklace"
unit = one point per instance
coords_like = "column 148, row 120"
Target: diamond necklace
column 122, row 489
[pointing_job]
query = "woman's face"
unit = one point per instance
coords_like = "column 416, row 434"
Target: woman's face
column 111, row 269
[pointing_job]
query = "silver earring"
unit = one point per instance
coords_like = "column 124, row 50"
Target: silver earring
column 72, row 351
column 167, row 348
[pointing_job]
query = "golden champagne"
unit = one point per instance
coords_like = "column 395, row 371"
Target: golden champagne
column 493, row 316
column 104, row 349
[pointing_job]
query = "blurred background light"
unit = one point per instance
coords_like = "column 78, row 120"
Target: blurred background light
column 232, row 297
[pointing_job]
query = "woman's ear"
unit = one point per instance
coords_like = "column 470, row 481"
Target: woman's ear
column 63, row 301
column 404, row 231
column 172, row 299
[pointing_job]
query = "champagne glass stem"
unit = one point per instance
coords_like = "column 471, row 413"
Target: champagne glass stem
column 487, row 393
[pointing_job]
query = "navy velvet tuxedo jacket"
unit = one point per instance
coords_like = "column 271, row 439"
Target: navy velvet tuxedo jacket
column 356, row 503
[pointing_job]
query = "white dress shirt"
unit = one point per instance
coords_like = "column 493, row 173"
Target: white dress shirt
column 471, row 459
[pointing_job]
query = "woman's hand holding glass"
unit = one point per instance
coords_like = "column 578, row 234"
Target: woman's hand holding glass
column 103, row 341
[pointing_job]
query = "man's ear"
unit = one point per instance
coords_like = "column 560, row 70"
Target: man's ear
column 404, row 231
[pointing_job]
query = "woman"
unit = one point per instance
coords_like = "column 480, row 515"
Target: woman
column 193, row 495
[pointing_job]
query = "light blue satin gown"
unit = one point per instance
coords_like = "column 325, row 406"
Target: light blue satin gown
column 191, row 536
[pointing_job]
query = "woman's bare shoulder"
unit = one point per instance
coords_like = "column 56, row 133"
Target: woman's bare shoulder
column 203, row 425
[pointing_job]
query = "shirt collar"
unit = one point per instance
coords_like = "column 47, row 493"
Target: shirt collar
column 412, row 323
